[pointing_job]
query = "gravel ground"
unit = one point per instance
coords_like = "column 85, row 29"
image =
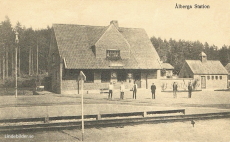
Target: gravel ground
column 67, row 104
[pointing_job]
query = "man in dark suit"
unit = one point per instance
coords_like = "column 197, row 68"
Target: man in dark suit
column 174, row 90
column 153, row 90
column 189, row 90
column 134, row 91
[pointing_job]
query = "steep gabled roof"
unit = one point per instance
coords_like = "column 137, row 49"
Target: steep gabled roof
column 75, row 44
column 141, row 48
column 167, row 66
column 227, row 67
column 208, row 67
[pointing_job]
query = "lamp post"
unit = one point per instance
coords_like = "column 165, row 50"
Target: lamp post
column 16, row 72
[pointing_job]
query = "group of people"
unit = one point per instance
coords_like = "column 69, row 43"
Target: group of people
column 175, row 90
column 122, row 90
column 153, row 90
column 134, row 89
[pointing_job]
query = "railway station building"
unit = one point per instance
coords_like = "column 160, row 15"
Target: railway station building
column 104, row 54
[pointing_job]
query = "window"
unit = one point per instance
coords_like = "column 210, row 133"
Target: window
column 216, row 77
column 113, row 54
column 208, row 77
column 220, row 77
column 70, row 74
column 89, row 76
column 105, row 76
column 212, row 77
column 121, row 75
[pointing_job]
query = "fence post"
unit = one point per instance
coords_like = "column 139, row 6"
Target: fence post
column 144, row 114
column 98, row 117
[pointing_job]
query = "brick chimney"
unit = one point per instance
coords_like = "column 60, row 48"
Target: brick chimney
column 115, row 23
column 203, row 57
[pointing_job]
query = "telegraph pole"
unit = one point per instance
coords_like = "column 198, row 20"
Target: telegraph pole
column 82, row 109
column 16, row 52
column 19, row 61
column 37, row 57
column 4, row 60
column 82, row 77
column 30, row 61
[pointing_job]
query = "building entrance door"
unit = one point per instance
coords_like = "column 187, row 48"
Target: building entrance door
column 137, row 78
column 203, row 82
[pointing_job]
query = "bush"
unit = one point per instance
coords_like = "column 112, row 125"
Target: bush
column 9, row 82
column 24, row 81
column 28, row 83
column 163, row 86
column 195, row 84
column 21, row 82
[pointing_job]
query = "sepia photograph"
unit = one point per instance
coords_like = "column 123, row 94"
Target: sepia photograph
column 114, row 71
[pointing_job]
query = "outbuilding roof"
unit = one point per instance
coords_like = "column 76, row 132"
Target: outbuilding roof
column 208, row 67
column 75, row 43
column 167, row 66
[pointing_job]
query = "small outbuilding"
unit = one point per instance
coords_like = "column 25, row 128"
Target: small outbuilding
column 209, row 74
column 167, row 70
column 227, row 67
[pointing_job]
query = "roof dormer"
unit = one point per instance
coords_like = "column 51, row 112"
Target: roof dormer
column 112, row 44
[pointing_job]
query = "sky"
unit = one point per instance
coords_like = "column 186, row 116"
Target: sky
column 159, row 18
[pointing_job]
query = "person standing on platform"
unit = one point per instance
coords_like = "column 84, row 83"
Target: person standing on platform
column 122, row 89
column 189, row 90
column 110, row 90
column 153, row 90
column 134, row 91
column 174, row 90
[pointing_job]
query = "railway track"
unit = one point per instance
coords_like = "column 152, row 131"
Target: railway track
column 61, row 123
